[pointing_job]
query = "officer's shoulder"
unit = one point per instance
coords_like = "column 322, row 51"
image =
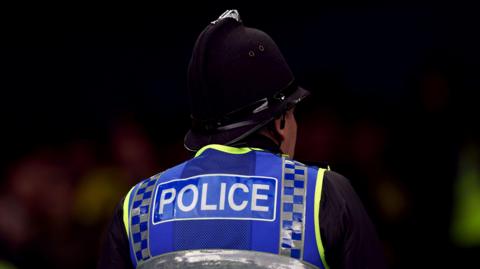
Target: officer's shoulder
column 331, row 178
column 167, row 173
column 143, row 183
column 170, row 172
column 335, row 182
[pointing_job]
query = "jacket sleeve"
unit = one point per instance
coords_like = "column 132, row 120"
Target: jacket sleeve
column 348, row 235
column 115, row 252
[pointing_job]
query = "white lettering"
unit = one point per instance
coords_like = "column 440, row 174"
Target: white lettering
column 203, row 205
column 231, row 193
column 223, row 187
column 180, row 203
column 256, row 196
column 164, row 201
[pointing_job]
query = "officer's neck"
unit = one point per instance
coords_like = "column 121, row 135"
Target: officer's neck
column 259, row 141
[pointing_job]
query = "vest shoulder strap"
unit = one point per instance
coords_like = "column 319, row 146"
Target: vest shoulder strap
column 126, row 208
column 140, row 189
column 317, row 199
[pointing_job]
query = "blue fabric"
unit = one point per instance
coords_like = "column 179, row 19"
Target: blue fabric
column 295, row 253
column 288, row 190
column 298, row 184
column 203, row 222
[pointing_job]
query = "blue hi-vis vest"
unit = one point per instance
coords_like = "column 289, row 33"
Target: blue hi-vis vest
column 228, row 198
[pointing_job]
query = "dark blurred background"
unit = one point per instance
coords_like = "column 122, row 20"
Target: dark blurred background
column 93, row 99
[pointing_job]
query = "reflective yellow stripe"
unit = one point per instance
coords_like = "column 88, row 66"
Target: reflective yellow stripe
column 316, row 208
column 226, row 149
column 126, row 210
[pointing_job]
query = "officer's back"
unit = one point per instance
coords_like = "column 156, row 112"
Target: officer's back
column 242, row 191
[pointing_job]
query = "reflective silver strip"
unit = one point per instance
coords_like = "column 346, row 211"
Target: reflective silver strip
column 292, row 211
column 139, row 219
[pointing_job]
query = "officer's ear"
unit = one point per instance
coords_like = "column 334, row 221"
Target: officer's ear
column 286, row 132
column 281, row 125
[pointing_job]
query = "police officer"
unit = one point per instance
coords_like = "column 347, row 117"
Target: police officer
column 243, row 189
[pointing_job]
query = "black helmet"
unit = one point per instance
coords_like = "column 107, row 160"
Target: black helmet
column 238, row 81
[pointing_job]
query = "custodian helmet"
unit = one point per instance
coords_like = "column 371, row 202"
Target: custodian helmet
column 238, row 81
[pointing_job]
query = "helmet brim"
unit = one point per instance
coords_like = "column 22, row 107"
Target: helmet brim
column 195, row 140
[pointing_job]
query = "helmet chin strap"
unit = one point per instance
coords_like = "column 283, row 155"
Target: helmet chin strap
column 282, row 121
